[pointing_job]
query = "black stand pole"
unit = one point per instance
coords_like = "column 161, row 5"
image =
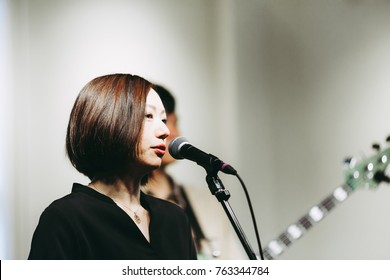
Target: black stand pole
column 218, row 190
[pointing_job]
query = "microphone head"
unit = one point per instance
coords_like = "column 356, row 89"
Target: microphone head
column 175, row 146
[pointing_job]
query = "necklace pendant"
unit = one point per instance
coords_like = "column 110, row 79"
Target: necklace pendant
column 137, row 218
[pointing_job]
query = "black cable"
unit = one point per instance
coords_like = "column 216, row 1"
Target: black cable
column 252, row 216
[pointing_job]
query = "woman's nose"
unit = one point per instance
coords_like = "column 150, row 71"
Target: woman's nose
column 163, row 131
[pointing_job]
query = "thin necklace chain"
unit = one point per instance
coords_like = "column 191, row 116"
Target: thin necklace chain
column 137, row 219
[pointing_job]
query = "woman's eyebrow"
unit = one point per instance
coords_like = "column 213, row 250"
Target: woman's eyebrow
column 155, row 108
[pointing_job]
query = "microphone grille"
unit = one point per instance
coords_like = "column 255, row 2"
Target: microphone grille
column 175, row 145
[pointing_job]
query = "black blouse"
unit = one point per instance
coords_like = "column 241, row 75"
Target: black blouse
column 87, row 225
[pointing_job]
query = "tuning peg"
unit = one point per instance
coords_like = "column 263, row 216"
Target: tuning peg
column 380, row 176
column 349, row 162
column 376, row 147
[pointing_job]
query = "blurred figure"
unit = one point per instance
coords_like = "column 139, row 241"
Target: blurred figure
column 213, row 234
column 116, row 136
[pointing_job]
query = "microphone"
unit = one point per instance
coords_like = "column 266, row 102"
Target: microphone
column 180, row 148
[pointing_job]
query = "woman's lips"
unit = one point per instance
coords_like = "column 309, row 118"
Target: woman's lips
column 159, row 150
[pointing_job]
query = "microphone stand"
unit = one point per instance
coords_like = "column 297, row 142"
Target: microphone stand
column 218, row 190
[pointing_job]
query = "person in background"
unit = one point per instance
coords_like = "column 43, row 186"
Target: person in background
column 116, row 136
column 213, row 234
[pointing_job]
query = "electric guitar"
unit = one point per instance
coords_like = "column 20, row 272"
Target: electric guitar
column 368, row 173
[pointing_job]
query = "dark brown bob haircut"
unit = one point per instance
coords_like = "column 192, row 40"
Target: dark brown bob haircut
column 105, row 125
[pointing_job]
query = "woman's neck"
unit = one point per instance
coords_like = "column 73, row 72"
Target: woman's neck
column 127, row 195
column 122, row 191
column 159, row 184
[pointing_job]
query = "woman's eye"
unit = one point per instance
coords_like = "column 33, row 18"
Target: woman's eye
column 164, row 121
column 149, row 116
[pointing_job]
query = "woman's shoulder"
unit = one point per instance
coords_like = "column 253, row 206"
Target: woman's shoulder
column 70, row 202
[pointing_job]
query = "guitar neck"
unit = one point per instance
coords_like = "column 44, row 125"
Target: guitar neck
column 369, row 173
column 316, row 214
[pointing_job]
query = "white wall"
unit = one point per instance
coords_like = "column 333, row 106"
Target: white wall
column 283, row 90
column 313, row 79
column 6, row 160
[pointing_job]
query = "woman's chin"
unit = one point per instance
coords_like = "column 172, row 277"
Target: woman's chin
column 155, row 165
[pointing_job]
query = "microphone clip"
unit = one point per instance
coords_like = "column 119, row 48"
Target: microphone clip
column 216, row 188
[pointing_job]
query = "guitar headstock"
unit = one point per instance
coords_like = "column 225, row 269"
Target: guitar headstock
column 369, row 172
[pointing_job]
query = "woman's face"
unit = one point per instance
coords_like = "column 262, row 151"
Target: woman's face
column 174, row 132
column 153, row 138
